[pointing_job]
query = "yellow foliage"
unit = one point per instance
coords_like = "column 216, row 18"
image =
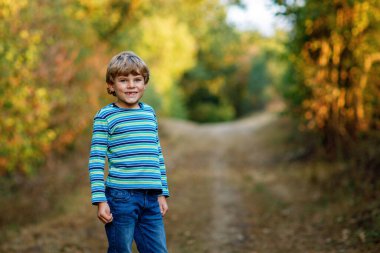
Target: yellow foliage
column 361, row 20
column 215, row 86
column 168, row 48
column 9, row 8
column 25, row 103
column 339, row 54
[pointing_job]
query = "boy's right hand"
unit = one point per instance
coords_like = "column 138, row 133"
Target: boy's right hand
column 104, row 212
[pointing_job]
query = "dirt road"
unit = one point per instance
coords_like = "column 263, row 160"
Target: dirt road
column 230, row 194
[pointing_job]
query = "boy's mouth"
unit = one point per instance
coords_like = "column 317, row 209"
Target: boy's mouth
column 131, row 93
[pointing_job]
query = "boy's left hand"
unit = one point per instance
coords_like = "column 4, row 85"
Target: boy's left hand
column 163, row 205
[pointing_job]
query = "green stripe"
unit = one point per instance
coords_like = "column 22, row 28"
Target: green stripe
column 95, row 184
column 130, row 124
column 133, row 146
column 132, row 181
column 142, row 170
column 96, row 160
column 126, row 114
column 98, row 147
column 134, row 159
column 131, row 135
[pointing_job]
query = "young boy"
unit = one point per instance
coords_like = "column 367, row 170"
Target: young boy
column 132, row 201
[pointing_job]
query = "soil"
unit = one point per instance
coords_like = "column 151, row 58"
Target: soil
column 232, row 191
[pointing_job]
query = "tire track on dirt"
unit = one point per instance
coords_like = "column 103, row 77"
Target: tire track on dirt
column 228, row 225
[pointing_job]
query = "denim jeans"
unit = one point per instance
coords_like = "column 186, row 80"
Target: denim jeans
column 136, row 215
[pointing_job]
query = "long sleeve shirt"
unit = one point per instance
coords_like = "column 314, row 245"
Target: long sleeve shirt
column 129, row 139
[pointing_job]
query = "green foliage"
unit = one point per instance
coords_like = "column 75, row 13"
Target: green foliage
column 234, row 75
column 53, row 56
column 209, row 112
column 168, row 48
column 206, row 85
column 267, row 70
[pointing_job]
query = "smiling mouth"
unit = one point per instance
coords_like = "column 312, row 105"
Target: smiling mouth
column 131, row 93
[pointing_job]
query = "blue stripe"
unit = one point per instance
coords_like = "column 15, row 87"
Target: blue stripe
column 115, row 128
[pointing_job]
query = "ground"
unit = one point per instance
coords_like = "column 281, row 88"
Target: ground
column 231, row 192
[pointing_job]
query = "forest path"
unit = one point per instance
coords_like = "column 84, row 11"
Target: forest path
column 229, row 194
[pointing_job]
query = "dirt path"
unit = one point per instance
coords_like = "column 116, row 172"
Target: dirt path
column 228, row 205
column 229, row 195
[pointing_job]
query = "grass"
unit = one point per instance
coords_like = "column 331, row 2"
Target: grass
column 340, row 197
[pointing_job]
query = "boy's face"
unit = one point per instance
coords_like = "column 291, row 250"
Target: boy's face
column 129, row 90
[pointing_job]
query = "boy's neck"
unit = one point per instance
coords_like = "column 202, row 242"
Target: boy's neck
column 124, row 106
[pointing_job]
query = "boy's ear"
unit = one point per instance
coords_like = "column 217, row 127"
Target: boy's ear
column 110, row 86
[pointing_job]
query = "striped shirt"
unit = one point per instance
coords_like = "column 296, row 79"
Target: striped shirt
column 129, row 139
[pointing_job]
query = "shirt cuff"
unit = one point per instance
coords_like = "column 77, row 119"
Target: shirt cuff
column 98, row 197
column 165, row 192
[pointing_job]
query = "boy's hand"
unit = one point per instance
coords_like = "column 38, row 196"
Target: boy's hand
column 104, row 212
column 163, row 205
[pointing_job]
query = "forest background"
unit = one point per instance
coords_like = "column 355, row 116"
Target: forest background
column 53, row 56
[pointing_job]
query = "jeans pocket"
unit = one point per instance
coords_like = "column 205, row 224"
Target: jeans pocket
column 118, row 195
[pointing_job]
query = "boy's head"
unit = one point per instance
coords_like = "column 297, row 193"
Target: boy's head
column 123, row 64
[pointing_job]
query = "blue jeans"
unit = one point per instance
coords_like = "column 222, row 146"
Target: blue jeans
column 136, row 215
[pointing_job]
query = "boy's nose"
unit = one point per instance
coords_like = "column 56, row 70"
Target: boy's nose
column 130, row 84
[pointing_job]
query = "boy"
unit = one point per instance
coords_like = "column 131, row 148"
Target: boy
column 132, row 201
